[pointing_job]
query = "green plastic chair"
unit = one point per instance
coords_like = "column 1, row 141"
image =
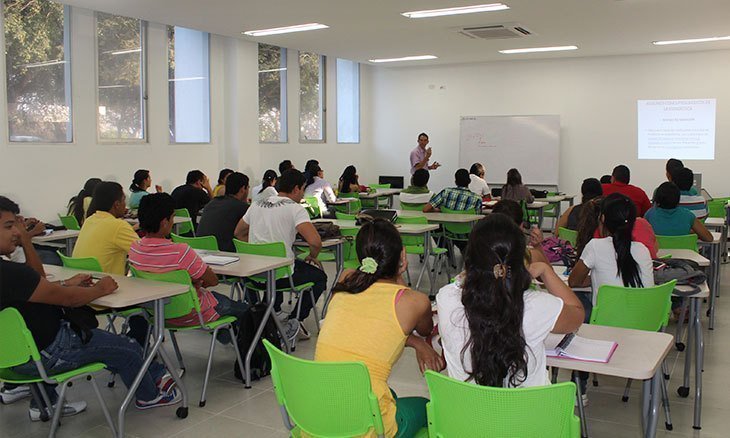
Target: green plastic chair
column 313, row 207
column 345, row 216
column 18, row 347
column 349, row 248
column 370, row 203
column 184, row 304
column 716, row 208
column 324, row 399
column 456, row 232
column 569, row 235
column 207, row 243
column 355, row 206
column 414, row 244
column 687, row 241
column 460, row 409
column 412, row 207
column 70, row 222
column 184, row 227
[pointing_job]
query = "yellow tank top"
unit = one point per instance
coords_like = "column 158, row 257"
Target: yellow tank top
column 364, row 328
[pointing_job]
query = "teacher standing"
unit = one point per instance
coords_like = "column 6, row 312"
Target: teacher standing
column 421, row 154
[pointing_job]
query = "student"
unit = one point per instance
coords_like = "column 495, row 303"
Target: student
column 672, row 166
column 41, row 304
column 34, row 228
column 668, row 219
column 590, row 189
column 279, row 219
column 605, row 179
column 420, row 155
column 386, row 316
column 193, row 195
column 155, row 253
column 222, row 214
column 689, row 198
column 317, row 187
column 477, row 184
column 284, row 166
column 620, row 184
column 350, row 182
column 267, row 186
column 514, row 189
column 492, row 324
column 513, row 210
column 79, row 204
column 417, row 192
column 456, row 198
column 220, row 189
column 140, row 183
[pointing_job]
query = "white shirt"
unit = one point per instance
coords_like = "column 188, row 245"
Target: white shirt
column 600, row 257
column 478, row 186
column 275, row 220
column 266, row 194
column 415, row 198
column 541, row 313
column 322, row 190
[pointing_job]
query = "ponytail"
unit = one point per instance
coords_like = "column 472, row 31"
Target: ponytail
column 619, row 216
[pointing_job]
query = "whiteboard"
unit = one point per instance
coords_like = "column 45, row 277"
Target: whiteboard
column 531, row 144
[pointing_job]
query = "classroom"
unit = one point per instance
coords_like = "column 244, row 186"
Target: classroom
column 564, row 91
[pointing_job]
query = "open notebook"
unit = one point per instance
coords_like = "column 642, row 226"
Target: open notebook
column 572, row 346
column 216, row 260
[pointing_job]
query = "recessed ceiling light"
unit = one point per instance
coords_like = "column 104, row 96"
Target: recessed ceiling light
column 405, row 58
column 694, row 40
column 538, row 49
column 286, row 29
column 456, row 11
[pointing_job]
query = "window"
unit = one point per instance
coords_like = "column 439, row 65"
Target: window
column 272, row 94
column 121, row 95
column 311, row 97
column 189, row 85
column 348, row 101
column 38, row 71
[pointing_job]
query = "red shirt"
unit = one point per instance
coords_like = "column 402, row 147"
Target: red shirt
column 637, row 195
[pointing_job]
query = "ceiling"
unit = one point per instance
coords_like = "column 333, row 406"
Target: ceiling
column 366, row 29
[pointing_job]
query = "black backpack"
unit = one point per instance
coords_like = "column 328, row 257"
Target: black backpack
column 260, row 361
column 686, row 272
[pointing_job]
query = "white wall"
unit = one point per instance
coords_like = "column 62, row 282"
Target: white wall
column 595, row 98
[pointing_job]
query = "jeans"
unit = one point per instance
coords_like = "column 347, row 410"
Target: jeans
column 303, row 273
column 121, row 355
column 229, row 307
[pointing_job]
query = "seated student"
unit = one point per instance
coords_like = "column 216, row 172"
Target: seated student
column 492, row 324
column 668, row 219
column 41, row 303
column 605, row 179
column 193, row 195
column 267, row 187
column 34, row 228
column 390, row 316
column 279, row 219
column 222, row 214
column 350, row 182
column 417, row 192
column 513, row 210
column 620, row 184
column 140, row 183
column 220, row 189
column 155, row 253
column 317, row 187
column 672, row 166
column 78, row 206
column 284, row 166
column 689, row 198
column 456, row 198
column 514, row 189
column 590, row 189
column 477, row 184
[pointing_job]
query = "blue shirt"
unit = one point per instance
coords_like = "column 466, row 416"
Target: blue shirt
column 457, row 198
column 670, row 222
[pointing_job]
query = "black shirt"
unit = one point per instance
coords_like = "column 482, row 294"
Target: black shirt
column 17, row 284
column 192, row 198
column 220, row 218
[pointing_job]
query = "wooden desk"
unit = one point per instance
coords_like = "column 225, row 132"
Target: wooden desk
column 719, row 224
column 687, row 254
column 343, row 201
column 440, row 218
column 69, row 236
column 381, row 193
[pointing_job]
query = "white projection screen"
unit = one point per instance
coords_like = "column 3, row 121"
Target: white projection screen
column 683, row 129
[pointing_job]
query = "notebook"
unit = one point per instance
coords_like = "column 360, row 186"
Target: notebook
column 218, row 260
column 572, row 346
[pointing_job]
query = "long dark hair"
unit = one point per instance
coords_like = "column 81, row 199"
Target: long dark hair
column 514, row 178
column 494, row 307
column 105, row 195
column 379, row 240
column 313, row 170
column 76, row 204
column 348, row 178
column 591, row 188
column 619, row 215
column 588, row 219
column 139, row 177
column 268, row 180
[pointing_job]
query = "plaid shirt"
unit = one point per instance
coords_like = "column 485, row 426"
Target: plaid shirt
column 457, row 198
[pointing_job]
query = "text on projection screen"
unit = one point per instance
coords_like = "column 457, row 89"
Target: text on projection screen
column 683, row 129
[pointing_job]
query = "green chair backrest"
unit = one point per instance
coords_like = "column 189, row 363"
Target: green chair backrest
column 325, row 399
column 205, row 242
column 715, row 208
column 184, row 227
column 179, row 305
column 379, row 186
column 687, row 241
column 349, row 250
column 412, row 240
column 274, row 249
column 349, row 195
column 84, row 263
column 568, row 234
column 313, row 206
column 457, row 228
column 412, row 207
column 70, row 222
column 460, row 409
column 16, row 344
column 345, row 216
column 354, row 206
column 633, row 308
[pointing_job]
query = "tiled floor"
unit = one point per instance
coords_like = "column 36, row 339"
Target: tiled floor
column 232, row 411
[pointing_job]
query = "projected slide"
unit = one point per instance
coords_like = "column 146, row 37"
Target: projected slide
column 683, row 129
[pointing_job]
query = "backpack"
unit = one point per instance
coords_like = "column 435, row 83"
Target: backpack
column 686, row 272
column 260, row 360
column 558, row 250
column 327, row 230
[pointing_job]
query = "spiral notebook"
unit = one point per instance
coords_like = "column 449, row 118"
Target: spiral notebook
column 572, row 346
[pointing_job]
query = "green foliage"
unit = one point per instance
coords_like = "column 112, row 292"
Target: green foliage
column 272, row 84
column 311, row 96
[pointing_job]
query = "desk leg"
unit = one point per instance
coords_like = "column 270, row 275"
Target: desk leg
column 699, row 359
column 558, row 212
column 426, row 264
column 581, row 409
column 650, row 403
column 540, row 214
column 683, row 390
column 715, row 281
column 70, row 242
column 340, row 262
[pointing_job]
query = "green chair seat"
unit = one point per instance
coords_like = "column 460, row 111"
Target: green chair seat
column 212, row 325
column 411, row 207
column 10, row 376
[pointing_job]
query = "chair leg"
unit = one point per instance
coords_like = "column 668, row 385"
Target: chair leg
column 177, row 350
column 679, row 345
column 408, row 276
column 595, row 379
column 314, row 308
column 103, row 405
column 46, row 400
column 110, row 323
column 581, row 408
column 625, row 397
column 35, row 393
column 59, row 409
column 210, row 364
column 234, row 339
column 665, row 402
column 554, row 375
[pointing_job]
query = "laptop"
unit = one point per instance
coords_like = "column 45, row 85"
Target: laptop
column 396, row 182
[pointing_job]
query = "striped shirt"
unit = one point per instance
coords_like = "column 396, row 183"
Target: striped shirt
column 693, row 202
column 161, row 255
column 457, row 198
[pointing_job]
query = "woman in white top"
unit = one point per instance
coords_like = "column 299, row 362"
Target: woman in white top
column 614, row 260
column 317, row 187
column 266, row 189
column 477, row 184
column 492, row 325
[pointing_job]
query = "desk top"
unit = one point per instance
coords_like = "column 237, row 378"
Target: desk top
column 380, row 192
column 341, row 201
column 247, row 264
column 532, row 205
column 131, row 292
column 715, row 222
column 716, row 239
column 402, row 228
column 442, row 217
column 685, row 254
column 556, row 198
column 57, row 235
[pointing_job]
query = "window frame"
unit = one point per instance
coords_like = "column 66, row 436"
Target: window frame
column 322, row 98
column 283, row 93
column 359, row 104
